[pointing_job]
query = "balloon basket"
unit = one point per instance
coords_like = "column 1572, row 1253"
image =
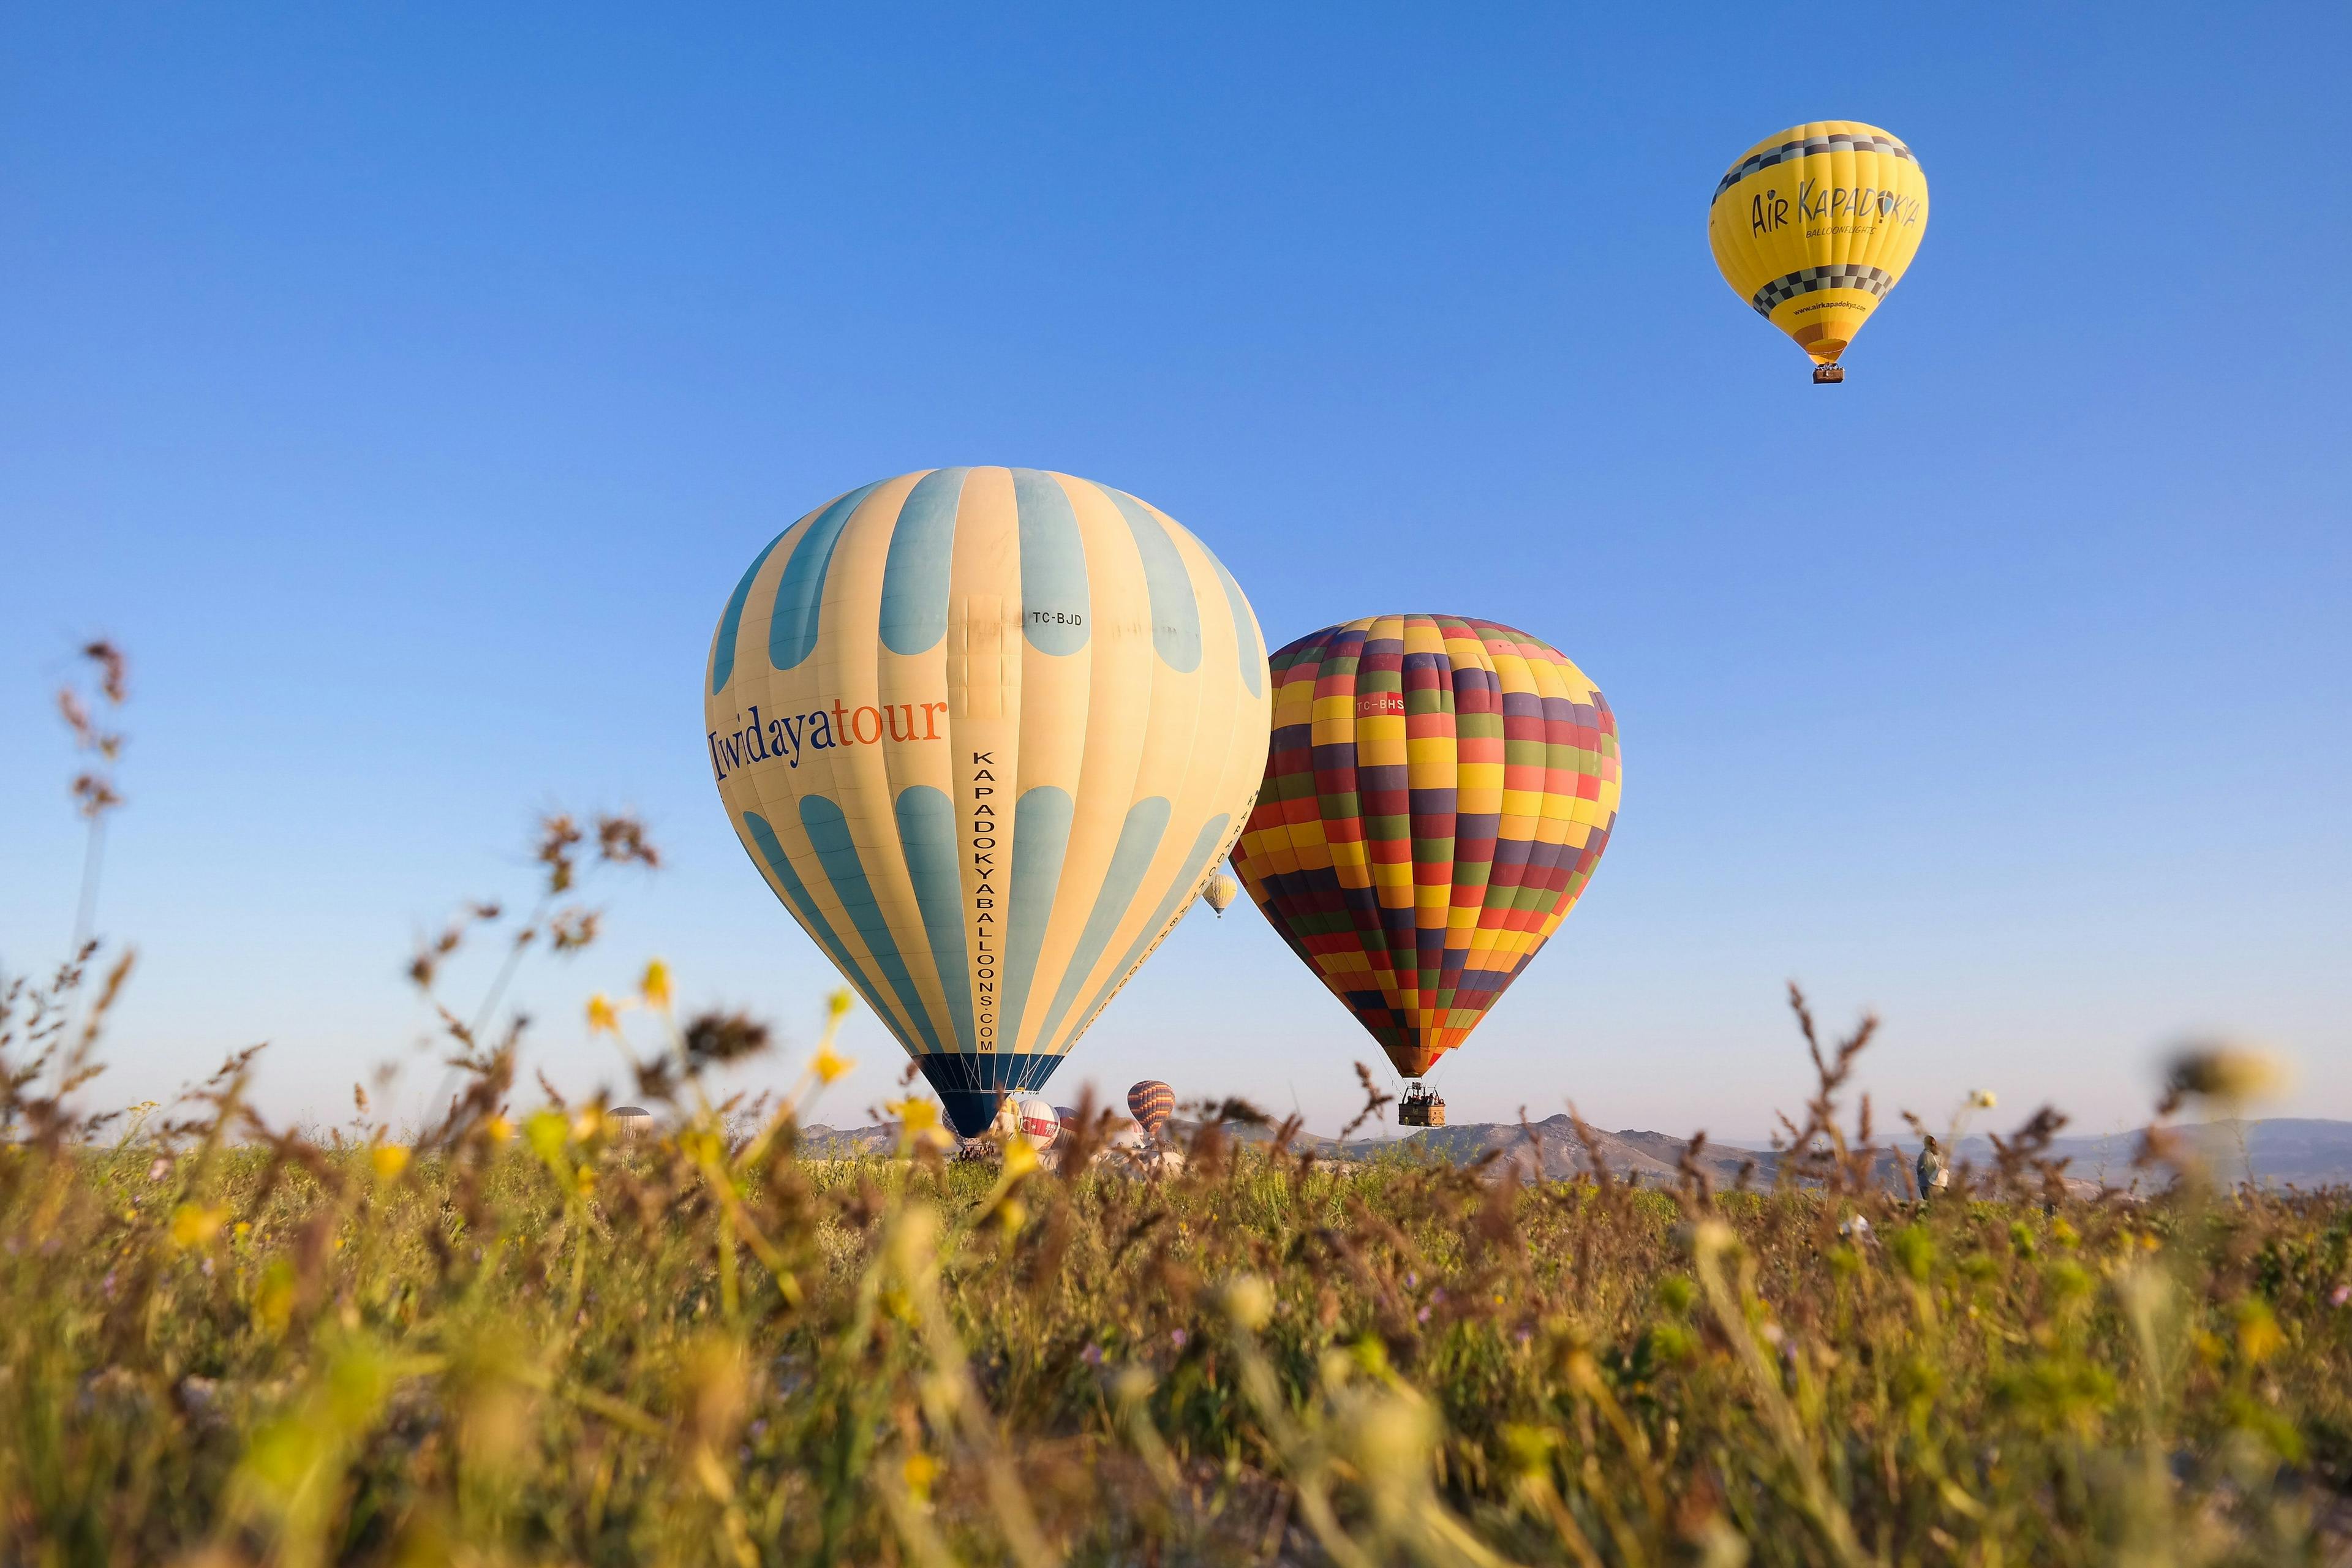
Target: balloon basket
column 1420, row 1107
column 1828, row 374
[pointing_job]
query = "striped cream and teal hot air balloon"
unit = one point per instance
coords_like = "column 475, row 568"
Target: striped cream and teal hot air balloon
column 984, row 730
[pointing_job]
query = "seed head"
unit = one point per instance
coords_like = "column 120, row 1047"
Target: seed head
column 2225, row 1072
column 1248, row 1301
column 724, row 1037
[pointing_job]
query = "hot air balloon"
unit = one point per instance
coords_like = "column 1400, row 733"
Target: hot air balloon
column 1152, row 1103
column 1029, row 1119
column 1219, row 893
column 1814, row 225
column 983, row 731
column 1438, row 793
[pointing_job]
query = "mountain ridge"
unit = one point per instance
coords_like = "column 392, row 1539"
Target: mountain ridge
column 2301, row 1151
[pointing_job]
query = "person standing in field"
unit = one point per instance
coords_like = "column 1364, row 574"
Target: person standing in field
column 1934, row 1176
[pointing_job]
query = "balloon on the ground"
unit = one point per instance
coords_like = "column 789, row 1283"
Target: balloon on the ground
column 983, row 731
column 1814, row 225
column 1032, row 1121
column 1220, row 893
column 1437, row 795
column 1152, row 1103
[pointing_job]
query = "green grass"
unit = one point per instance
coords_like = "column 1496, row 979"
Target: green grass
column 542, row 1346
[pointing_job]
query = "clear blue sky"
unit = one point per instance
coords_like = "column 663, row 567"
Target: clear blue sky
column 407, row 386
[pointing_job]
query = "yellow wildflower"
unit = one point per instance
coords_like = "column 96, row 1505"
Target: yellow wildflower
column 830, row 1064
column 918, row 1122
column 588, row 1124
column 655, row 986
column 546, row 1129
column 1020, row 1159
column 921, row 1470
column 2259, row 1338
column 390, row 1160
column 273, row 1303
column 603, row 1018
column 196, row 1224
column 500, row 1130
column 1984, row 1100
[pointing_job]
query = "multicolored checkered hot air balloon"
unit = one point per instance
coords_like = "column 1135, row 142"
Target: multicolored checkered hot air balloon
column 984, row 730
column 1438, row 793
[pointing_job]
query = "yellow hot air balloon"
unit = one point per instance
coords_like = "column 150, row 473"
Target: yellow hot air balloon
column 984, row 730
column 1814, row 227
column 1219, row 893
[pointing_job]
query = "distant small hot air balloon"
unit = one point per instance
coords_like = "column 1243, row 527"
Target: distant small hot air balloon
column 1067, row 1115
column 1152, row 1103
column 1814, row 225
column 1219, row 893
column 984, row 730
column 1438, row 794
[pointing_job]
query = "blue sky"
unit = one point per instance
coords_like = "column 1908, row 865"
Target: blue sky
column 406, row 388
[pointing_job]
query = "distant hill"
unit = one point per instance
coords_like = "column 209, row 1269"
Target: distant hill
column 2276, row 1152
column 832, row 1144
column 1552, row 1151
column 2280, row 1151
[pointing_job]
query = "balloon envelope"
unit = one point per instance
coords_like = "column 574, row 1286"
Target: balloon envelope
column 1152, row 1103
column 983, row 731
column 1437, row 795
column 1031, row 1120
column 1814, row 226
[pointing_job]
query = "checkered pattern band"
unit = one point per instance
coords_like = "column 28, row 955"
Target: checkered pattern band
column 1838, row 141
column 1805, row 280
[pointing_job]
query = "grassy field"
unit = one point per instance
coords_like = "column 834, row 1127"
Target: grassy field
column 543, row 1343
column 516, row 1336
